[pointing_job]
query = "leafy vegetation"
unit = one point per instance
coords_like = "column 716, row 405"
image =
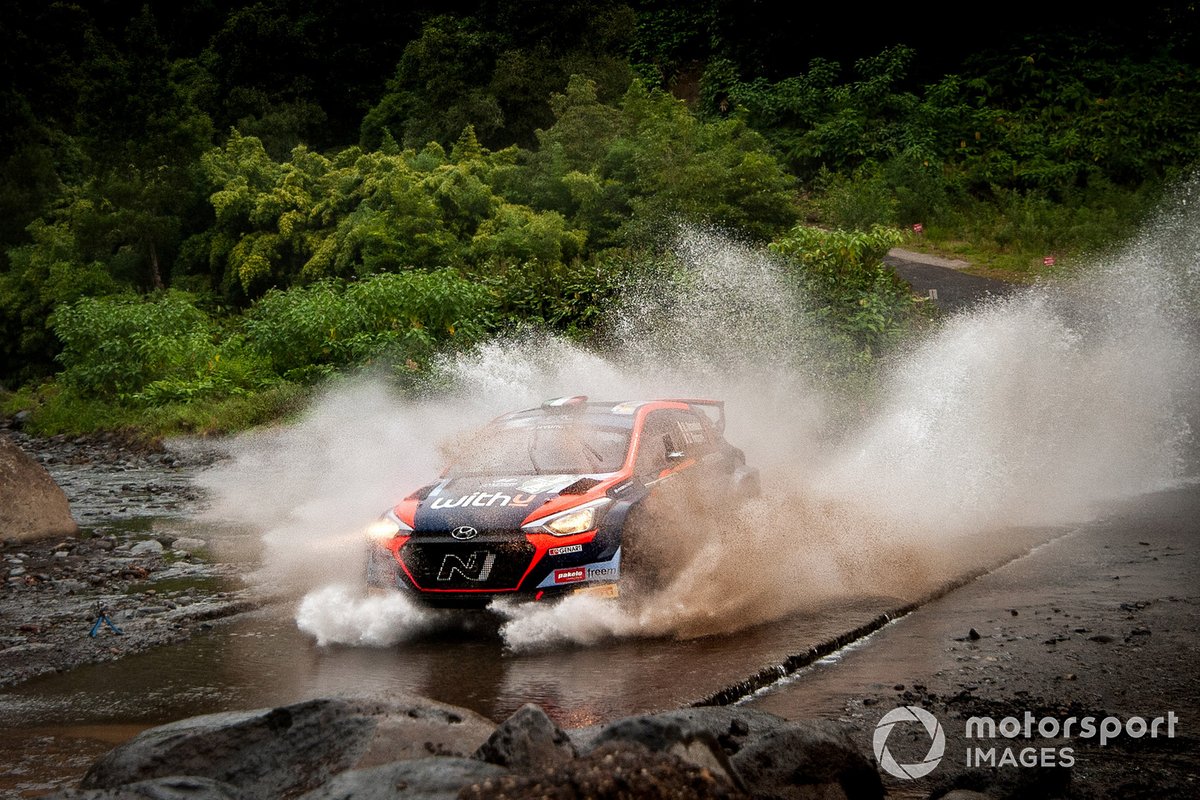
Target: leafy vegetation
column 843, row 271
column 204, row 207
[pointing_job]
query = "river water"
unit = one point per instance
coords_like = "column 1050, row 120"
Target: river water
column 52, row 727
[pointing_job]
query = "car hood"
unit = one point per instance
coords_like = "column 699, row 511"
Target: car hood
column 491, row 502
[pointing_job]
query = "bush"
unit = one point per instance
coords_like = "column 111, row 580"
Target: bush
column 844, row 274
column 115, row 346
column 569, row 298
column 858, row 202
column 309, row 330
column 153, row 350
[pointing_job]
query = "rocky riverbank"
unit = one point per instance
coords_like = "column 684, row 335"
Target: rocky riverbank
column 156, row 585
column 369, row 748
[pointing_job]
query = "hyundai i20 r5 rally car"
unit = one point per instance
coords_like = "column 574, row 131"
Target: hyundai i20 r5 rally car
column 541, row 502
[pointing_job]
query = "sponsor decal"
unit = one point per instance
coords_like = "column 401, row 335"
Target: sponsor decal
column 464, row 532
column 475, row 567
column 573, row 575
column 562, row 551
column 609, row 570
column 691, row 430
column 483, row 500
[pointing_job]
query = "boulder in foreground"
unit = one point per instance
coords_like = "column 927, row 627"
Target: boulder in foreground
column 272, row 753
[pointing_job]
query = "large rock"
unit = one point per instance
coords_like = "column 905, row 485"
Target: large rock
column 615, row 770
column 425, row 778
column 731, row 726
column 661, row 734
column 527, row 740
column 415, row 727
column 186, row 787
column 31, row 504
column 270, row 753
column 807, row 761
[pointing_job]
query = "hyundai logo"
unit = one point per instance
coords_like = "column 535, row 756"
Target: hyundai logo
column 464, row 532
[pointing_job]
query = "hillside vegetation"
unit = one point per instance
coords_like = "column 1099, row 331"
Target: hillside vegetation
column 207, row 208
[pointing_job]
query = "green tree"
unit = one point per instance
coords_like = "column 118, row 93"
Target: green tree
column 495, row 70
column 627, row 170
column 49, row 272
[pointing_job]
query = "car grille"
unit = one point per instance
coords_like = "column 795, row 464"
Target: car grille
column 477, row 564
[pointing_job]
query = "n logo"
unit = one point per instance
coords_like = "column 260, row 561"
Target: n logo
column 476, row 567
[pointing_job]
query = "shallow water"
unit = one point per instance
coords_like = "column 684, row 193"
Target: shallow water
column 51, row 728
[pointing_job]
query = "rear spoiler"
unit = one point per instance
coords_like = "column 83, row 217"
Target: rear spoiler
column 703, row 406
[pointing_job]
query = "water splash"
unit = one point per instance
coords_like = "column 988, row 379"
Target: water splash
column 340, row 614
column 1040, row 408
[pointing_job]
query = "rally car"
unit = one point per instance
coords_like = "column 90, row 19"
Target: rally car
column 541, row 502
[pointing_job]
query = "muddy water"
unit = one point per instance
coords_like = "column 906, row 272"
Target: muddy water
column 51, row 728
column 263, row 660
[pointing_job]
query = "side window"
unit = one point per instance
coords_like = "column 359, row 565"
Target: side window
column 691, row 435
column 656, row 441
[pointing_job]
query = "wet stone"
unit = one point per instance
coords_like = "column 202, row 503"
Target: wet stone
column 425, row 778
column 527, row 740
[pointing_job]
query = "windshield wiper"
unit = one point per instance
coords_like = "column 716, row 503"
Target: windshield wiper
column 593, row 455
column 537, row 470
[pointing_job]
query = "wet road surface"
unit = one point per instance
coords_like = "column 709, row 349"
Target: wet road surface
column 1101, row 621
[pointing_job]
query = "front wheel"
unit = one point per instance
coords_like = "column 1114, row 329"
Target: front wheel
column 652, row 551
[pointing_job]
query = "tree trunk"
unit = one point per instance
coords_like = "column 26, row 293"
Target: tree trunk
column 155, row 272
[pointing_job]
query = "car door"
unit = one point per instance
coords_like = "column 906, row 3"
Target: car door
column 671, row 456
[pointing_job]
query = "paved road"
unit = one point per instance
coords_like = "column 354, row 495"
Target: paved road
column 1102, row 621
column 956, row 290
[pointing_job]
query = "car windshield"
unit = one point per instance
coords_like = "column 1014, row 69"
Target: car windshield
column 541, row 447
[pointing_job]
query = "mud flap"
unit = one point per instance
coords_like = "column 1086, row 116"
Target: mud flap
column 608, row 591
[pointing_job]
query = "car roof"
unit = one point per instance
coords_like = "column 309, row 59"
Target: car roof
column 605, row 413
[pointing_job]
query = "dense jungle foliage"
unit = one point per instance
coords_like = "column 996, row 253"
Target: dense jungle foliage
column 205, row 207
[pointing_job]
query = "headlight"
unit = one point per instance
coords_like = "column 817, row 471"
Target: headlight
column 387, row 526
column 573, row 520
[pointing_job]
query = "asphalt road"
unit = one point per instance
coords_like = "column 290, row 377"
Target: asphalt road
column 956, row 290
column 1103, row 621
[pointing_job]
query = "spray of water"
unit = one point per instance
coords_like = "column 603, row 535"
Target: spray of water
column 1039, row 408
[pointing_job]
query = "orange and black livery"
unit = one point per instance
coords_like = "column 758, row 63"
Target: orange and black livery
column 539, row 506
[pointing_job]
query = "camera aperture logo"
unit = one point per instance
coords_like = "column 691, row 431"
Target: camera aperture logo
column 1044, row 741
column 937, row 747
